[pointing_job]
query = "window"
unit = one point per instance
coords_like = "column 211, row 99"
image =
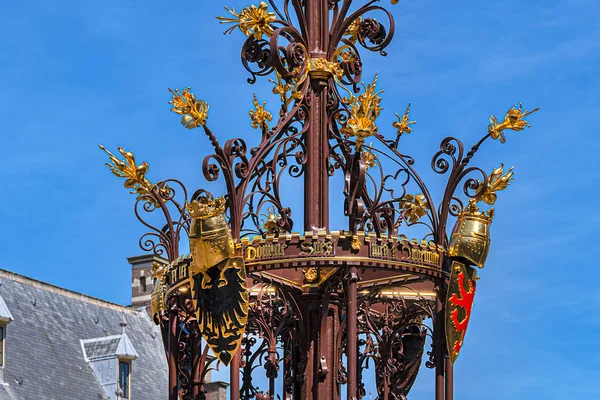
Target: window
column 143, row 283
column 2, row 331
column 124, row 377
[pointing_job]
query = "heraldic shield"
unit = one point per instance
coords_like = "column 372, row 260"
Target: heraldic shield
column 459, row 303
column 219, row 292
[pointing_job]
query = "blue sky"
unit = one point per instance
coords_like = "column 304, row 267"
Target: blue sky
column 74, row 74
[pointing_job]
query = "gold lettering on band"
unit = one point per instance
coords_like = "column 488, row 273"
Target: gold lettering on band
column 424, row 256
column 316, row 248
column 380, row 250
column 265, row 251
column 183, row 272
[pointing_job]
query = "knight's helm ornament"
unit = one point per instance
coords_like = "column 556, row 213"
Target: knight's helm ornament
column 158, row 292
column 219, row 291
column 470, row 239
column 471, row 235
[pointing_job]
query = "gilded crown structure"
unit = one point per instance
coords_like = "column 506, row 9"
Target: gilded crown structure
column 320, row 307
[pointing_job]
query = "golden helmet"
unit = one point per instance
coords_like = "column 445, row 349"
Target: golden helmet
column 471, row 235
column 210, row 241
column 157, row 301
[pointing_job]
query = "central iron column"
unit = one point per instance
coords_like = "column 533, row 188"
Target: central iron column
column 316, row 189
column 320, row 318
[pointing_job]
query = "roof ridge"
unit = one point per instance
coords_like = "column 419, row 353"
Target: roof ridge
column 65, row 292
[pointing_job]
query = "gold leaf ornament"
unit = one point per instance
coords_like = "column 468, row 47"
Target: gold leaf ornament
column 364, row 110
column 497, row 181
column 259, row 116
column 369, row 157
column 513, row 120
column 194, row 113
column 416, row 206
column 252, row 20
column 353, row 30
column 135, row 175
column 403, row 124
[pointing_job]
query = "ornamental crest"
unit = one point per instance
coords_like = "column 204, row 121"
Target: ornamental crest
column 459, row 303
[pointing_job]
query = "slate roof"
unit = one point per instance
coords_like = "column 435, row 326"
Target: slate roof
column 44, row 354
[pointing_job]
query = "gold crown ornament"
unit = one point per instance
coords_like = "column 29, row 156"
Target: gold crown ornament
column 471, row 235
column 206, row 207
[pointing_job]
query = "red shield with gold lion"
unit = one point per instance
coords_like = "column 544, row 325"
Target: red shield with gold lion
column 459, row 303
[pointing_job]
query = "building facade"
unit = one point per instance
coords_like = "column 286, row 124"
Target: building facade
column 56, row 344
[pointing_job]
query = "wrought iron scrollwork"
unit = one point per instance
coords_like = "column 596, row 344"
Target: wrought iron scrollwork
column 392, row 337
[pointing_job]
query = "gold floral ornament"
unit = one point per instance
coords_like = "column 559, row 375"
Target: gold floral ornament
column 271, row 223
column 259, row 116
column 415, row 207
column 513, row 120
column 403, row 124
column 353, row 29
column 311, row 274
column 135, row 175
column 497, row 181
column 369, row 157
column 364, row 110
column 194, row 112
column 282, row 88
column 252, row 21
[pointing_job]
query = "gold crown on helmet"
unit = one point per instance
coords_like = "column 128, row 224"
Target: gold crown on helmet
column 471, row 211
column 205, row 207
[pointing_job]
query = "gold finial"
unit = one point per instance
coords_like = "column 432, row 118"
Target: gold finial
column 369, row 157
column 252, row 20
column 194, row 112
column 416, row 206
column 364, row 110
column 352, row 30
column 513, row 120
column 135, row 175
column 404, row 123
column 259, row 116
column 205, row 207
column 497, row 181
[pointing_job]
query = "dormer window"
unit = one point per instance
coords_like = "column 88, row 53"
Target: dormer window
column 5, row 319
column 124, row 378
column 110, row 358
